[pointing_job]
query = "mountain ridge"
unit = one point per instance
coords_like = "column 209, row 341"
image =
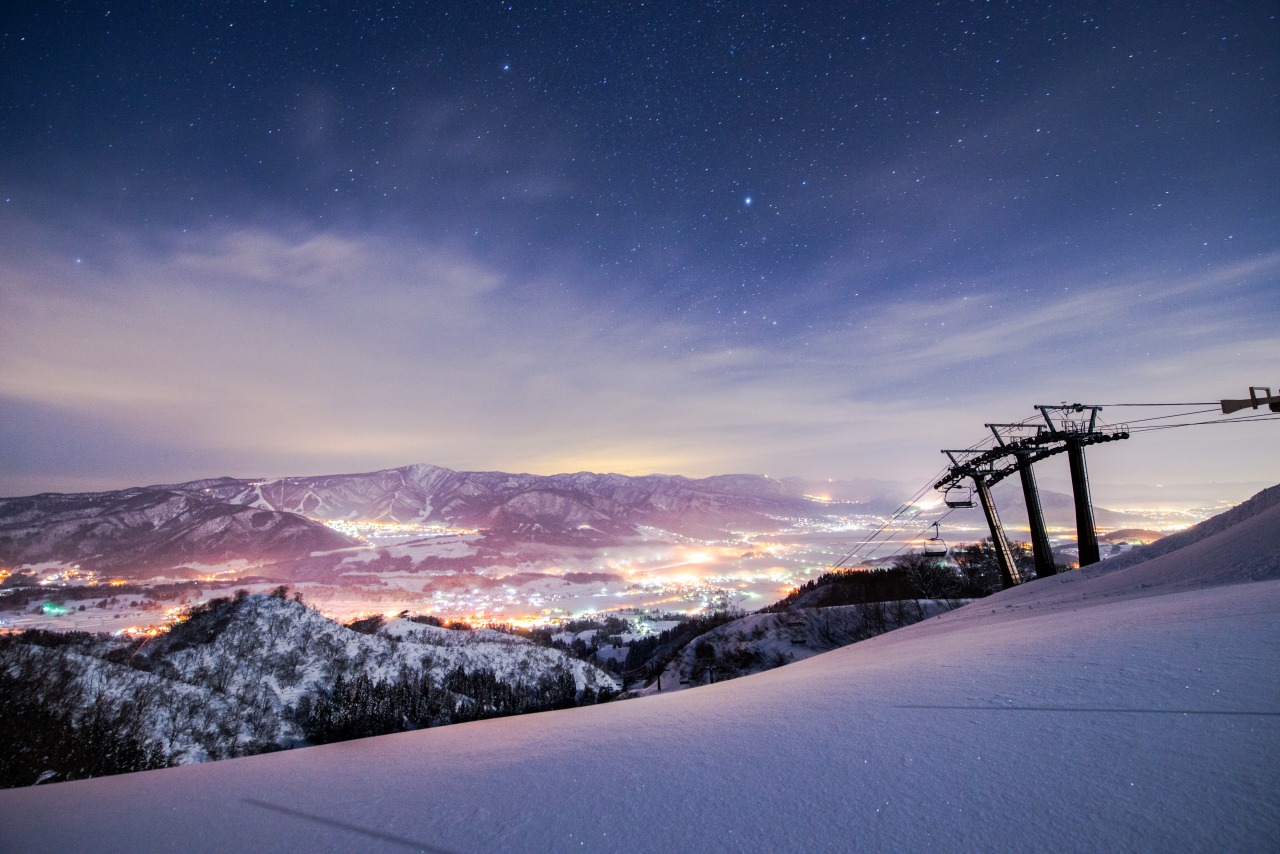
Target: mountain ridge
column 212, row 520
column 422, row 493
column 145, row 527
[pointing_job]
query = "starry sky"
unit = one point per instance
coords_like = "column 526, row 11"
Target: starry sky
column 798, row 239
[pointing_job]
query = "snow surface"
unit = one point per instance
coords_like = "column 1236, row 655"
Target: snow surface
column 758, row 642
column 1133, row 710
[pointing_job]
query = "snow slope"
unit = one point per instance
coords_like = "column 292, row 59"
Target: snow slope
column 1130, row 710
column 763, row 641
column 1249, row 524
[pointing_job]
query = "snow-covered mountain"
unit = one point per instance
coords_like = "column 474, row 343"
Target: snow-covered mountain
column 149, row 527
column 523, row 504
column 584, row 504
column 214, row 520
column 273, row 520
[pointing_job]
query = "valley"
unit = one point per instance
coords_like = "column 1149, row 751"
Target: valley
column 479, row 547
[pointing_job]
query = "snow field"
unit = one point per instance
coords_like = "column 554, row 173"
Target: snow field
column 1142, row 723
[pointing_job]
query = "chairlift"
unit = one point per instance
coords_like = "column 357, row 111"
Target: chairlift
column 958, row 496
column 934, row 546
column 796, row 630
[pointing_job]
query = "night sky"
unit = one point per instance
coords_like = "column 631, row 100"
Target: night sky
column 823, row 239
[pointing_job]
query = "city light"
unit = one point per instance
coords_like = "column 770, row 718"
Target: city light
column 655, row 572
column 368, row 531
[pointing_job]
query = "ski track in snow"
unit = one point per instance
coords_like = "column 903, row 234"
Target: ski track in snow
column 1147, row 723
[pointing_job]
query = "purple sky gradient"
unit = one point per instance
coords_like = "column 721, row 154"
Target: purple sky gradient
column 724, row 238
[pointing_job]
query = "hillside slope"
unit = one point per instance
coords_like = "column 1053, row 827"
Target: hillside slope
column 1259, row 512
column 260, row 672
column 1132, row 710
column 763, row 641
column 1236, row 547
column 147, row 527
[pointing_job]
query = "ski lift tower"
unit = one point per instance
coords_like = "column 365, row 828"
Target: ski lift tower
column 1021, row 442
column 979, row 469
column 1076, row 425
column 989, row 467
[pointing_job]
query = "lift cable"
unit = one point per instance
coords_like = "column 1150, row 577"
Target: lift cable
column 869, row 540
column 892, row 526
column 916, row 538
column 896, row 521
column 865, row 543
column 1174, row 415
column 1194, row 403
column 1149, row 428
column 1230, row 419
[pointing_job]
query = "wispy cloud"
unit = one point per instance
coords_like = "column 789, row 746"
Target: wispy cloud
column 322, row 351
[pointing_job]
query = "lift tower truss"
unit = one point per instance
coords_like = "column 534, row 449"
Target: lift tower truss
column 1024, row 454
column 1075, row 425
column 980, row 473
column 1066, row 433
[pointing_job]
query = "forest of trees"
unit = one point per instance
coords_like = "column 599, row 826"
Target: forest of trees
column 975, row 573
column 53, row 728
column 647, row 656
column 360, row 707
column 76, row 705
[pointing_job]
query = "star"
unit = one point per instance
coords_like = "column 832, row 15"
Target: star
column 376, row 173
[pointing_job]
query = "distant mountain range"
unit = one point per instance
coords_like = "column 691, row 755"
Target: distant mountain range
column 216, row 520
column 1059, row 509
column 523, row 504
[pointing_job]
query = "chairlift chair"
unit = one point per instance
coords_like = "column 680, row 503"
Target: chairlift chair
column 797, row 630
column 934, row 546
column 958, row 496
